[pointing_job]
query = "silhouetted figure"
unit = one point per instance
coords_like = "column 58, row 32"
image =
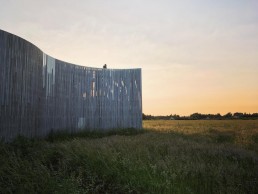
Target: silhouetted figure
column 105, row 66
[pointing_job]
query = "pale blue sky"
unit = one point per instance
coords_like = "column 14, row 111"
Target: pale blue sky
column 196, row 56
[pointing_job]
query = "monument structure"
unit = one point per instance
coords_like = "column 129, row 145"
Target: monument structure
column 40, row 94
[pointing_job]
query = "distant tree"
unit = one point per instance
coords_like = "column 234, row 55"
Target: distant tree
column 218, row 116
column 197, row 116
column 255, row 115
column 147, row 117
column 238, row 115
column 228, row 115
column 176, row 117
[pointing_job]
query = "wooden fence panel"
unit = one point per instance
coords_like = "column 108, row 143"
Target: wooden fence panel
column 39, row 93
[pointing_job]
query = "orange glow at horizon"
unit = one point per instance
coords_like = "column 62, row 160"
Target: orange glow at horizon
column 192, row 106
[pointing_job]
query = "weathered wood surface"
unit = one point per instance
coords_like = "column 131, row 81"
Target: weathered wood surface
column 39, row 93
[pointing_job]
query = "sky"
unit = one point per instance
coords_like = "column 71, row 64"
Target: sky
column 196, row 56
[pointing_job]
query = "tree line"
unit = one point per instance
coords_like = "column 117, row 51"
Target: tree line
column 199, row 116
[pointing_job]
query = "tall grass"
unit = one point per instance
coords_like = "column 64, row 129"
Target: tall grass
column 242, row 133
column 169, row 157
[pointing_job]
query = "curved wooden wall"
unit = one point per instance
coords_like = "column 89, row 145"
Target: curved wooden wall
column 39, row 94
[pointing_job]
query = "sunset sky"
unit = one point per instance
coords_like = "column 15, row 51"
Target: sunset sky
column 196, row 56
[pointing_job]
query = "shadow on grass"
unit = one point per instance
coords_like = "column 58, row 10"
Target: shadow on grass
column 62, row 135
column 247, row 141
column 255, row 138
column 222, row 136
column 212, row 135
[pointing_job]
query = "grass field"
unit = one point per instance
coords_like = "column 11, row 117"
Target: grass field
column 166, row 157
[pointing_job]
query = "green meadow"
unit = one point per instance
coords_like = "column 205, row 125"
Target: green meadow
column 165, row 157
